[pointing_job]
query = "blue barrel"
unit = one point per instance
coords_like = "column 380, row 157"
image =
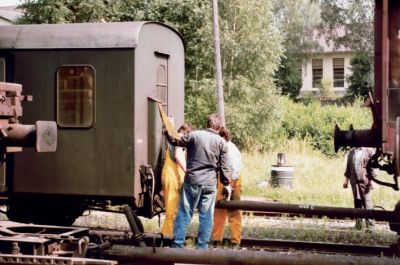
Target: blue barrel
column 282, row 176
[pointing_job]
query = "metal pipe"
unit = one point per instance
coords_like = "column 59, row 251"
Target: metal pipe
column 331, row 212
column 19, row 135
column 355, row 138
column 42, row 135
column 234, row 257
column 134, row 225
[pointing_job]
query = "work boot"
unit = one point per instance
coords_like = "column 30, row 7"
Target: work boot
column 235, row 246
column 217, row 244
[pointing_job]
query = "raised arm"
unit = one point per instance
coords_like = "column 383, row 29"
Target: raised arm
column 183, row 142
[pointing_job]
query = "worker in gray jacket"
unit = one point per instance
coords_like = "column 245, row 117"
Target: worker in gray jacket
column 206, row 156
column 356, row 174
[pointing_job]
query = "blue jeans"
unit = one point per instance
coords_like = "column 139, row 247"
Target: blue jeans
column 201, row 197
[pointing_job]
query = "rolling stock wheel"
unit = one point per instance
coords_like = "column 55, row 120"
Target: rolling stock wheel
column 38, row 212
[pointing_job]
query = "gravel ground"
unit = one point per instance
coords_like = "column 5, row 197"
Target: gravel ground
column 318, row 230
column 306, row 229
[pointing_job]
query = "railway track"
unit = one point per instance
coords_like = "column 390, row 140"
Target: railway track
column 266, row 245
column 252, row 244
column 71, row 245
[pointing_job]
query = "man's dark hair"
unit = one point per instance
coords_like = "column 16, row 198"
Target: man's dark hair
column 214, row 122
column 225, row 133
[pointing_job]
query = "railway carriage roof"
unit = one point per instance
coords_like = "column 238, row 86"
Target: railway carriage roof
column 73, row 36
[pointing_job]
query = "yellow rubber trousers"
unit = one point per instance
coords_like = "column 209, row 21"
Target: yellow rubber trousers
column 171, row 178
column 234, row 216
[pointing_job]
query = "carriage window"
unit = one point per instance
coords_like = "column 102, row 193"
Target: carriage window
column 75, row 96
column 2, row 69
column 162, row 85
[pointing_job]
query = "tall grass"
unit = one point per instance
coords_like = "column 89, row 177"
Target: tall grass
column 317, row 179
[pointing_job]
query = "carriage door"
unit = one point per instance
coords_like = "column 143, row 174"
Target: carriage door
column 156, row 144
column 162, row 94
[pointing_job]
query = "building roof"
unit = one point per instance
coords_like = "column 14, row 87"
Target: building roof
column 328, row 46
column 10, row 13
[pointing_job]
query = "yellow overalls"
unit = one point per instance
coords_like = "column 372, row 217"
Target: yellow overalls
column 172, row 179
column 234, row 216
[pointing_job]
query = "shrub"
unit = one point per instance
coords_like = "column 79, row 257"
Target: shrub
column 316, row 122
column 326, row 89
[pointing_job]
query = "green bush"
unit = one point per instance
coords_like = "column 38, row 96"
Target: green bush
column 263, row 121
column 316, row 122
column 200, row 101
column 252, row 111
column 326, row 89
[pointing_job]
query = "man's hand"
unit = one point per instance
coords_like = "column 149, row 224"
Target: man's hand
column 345, row 185
column 227, row 192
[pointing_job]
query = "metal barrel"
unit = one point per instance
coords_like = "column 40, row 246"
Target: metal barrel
column 282, row 176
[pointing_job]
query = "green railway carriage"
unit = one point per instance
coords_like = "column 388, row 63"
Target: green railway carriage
column 98, row 81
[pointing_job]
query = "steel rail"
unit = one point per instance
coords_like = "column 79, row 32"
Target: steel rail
column 305, row 209
column 276, row 244
column 319, row 247
column 235, row 257
column 53, row 260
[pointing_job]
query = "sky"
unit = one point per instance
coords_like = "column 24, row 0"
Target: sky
column 9, row 2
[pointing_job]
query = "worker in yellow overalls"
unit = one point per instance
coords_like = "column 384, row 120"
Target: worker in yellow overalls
column 172, row 177
column 234, row 216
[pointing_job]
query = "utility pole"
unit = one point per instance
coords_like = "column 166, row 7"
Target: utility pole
column 217, row 59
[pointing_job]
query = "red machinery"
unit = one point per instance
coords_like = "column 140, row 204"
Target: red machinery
column 384, row 134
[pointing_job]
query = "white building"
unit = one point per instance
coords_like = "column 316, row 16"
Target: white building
column 328, row 64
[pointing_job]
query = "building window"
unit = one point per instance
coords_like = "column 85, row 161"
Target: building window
column 75, row 96
column 317, row 71
column 338, row 72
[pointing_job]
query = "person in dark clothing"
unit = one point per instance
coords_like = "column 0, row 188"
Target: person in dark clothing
column 207, row 154
column 361, row 186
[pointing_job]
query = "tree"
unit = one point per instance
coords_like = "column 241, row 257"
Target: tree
column 65, row 11
column 361, row 80
column 251, row 49
column 297, row 20
column 288, row 77
column 251, row 52
column 356, row 19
